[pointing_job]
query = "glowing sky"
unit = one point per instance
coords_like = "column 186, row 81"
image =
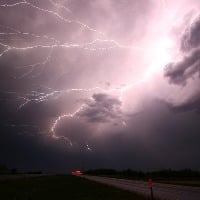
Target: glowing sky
column 99, row 83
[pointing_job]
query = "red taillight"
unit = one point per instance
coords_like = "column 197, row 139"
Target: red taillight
column 78, row 172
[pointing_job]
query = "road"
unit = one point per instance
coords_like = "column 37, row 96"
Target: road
column 161, row 191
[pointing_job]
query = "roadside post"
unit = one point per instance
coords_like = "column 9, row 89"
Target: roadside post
column 151, row 187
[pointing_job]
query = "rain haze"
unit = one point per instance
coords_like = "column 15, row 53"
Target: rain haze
column 99, row 84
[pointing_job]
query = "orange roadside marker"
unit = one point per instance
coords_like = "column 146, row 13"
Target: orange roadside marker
column 151, row 187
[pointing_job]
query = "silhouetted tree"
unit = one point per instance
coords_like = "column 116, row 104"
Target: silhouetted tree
column 167, row 174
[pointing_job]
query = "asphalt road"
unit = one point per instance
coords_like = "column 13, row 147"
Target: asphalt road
column 161, row 191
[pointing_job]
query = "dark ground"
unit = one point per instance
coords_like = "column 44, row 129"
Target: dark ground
column 60, row 187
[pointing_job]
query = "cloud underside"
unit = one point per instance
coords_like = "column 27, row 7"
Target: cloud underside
column 102, row 108
column 187, row 69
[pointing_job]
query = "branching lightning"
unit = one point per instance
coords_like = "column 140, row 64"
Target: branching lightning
column 101, row 43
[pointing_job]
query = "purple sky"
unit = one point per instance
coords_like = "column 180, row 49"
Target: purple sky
column 99, row 83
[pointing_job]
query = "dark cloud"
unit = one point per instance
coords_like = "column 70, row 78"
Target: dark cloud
column 192, row 104
column 102, row 108
column 165, row 135
column 191, row 38
column 188, row 68
column 179, row 72
column 155, row 139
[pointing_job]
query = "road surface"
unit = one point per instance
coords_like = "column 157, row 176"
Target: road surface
column 160, row 191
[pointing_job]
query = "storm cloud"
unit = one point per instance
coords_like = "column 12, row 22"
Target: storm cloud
column 103, row 108
column 91, row 84
column 188, row 68
column 190, row 39
column 180, row 71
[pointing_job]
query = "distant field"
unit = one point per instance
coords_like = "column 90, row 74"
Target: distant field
column 60, row 187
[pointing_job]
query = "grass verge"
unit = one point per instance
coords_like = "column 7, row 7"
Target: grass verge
column 61, row 187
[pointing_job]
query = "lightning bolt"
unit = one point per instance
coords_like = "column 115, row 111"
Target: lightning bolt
column 60, row 6
column 51, row 44
column 27, row 3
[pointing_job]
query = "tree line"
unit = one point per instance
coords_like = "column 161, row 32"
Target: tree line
column 161, row 174
column 5, row 170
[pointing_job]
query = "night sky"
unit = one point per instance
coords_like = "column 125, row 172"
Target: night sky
column 99, row 84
